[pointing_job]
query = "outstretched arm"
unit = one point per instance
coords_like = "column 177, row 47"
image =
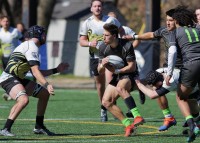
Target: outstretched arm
column 60, row 68
column 147, row 91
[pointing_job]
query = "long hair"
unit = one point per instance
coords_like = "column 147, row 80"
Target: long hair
column 184, row 16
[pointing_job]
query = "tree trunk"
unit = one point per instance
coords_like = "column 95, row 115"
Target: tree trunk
column 45, row 9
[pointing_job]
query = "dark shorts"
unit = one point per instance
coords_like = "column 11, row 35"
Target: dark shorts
column 116, row 78
column 190, row 74
column 8, row 84
column 93, row 67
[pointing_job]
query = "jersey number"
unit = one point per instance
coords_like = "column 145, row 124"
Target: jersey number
column 189, row 36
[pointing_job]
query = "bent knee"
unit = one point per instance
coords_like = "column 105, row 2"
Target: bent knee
column 24, row 100
column 106, row 103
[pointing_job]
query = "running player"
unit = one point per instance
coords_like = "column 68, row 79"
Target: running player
column 91, row 36
column 122, row 82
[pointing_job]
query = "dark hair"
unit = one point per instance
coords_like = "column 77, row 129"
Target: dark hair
column 153, row 77
column 184, row 16
column 96, row 0
column 113, row 29
column 170, row 12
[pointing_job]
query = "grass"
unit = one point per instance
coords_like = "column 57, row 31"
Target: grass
column 74, row 116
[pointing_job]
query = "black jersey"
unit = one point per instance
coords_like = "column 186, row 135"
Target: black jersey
column 124, row 50
column 188, row 40
column 164, row 33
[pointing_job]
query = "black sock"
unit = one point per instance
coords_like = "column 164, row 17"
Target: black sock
column 190, row 123
column 39, row 121
column 130, row 102
column 102, row 107
column 8, row 124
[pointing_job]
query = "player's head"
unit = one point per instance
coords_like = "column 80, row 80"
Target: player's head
column 5, row 22
column 36, row 32
column 96, row 7
column 153, row 77
column 184, row 16
column 169, row 20
column 110, row 33
column 197, row 13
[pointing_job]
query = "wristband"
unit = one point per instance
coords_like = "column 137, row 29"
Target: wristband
column 46, row 84
column 135, row 37
column 55, row 70
column 89, row 44
column 117, row 71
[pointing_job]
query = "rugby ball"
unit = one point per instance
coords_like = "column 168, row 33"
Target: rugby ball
column 115, row 61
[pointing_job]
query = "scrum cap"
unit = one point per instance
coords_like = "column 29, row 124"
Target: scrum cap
column 35, row 32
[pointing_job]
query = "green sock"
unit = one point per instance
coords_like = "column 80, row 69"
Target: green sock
column 166, row 112
column 126, row 122
column 135, row 112
column 188, row 117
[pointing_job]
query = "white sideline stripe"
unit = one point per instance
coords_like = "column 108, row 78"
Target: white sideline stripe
column 76, row 141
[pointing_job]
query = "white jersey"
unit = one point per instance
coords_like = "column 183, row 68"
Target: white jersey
column 94, row 30
column 9, row 40
column 22, row 58
column 173, row 82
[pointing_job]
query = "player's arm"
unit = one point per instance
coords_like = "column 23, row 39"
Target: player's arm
column 60, row 68
column 131, row 67
column 41, row 79
column 147, row 91
column 145, row 36
column 151, row 93
column 172, row 54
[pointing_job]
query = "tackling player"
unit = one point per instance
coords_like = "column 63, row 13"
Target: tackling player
column 24, row 58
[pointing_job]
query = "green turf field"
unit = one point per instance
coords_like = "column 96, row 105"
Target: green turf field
column 74, row 116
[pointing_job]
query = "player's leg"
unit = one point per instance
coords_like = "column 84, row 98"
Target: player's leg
column 183, row 92
column 100, row 86
column 169, row 120
column 18, row 93
column 124, row 87
column 36, row 90
column 110, row 96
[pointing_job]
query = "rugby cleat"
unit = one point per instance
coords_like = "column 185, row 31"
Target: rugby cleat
column 168, row 122
column 138, row 121
column 42, row 130
column 6, row 132
column 129, row 130
column 193, row 134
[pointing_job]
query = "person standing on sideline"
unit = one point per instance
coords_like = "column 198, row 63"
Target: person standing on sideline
column 122, row 82
column 24, row 58
column 91, row 35
column 163, row 33
column 9, row 37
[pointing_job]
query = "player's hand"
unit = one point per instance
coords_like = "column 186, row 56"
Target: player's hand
column 105, row 61
column 50, row 89
column 167, row 79
column 93, row 43
column 62, row 66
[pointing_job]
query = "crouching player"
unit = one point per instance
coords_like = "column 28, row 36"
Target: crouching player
column 123, row 79
column 160, row 88
column 24, row 58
